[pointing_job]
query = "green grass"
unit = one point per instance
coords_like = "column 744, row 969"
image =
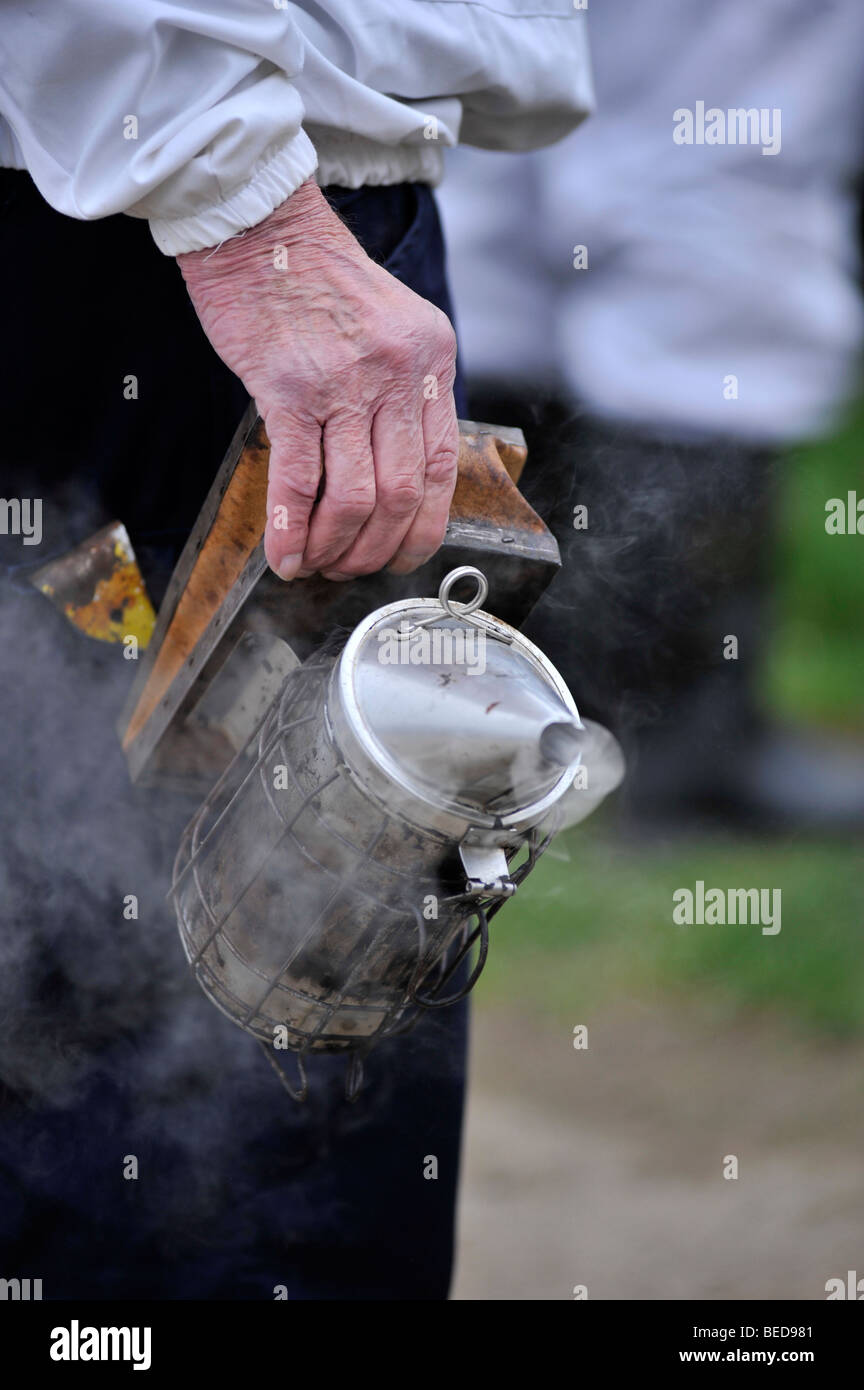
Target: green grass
column 599, row 927
column 815, row 668
column 582, row 933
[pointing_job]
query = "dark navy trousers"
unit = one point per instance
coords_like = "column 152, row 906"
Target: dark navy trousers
column 146, row 1148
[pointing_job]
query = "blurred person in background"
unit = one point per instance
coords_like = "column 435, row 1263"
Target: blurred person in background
column 664, row 319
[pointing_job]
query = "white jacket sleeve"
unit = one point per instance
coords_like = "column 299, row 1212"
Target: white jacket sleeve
column 180, row 111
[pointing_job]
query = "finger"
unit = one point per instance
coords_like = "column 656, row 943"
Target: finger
column 349, row 490
column 441, row 444
column 293, row 478
column 399, row 458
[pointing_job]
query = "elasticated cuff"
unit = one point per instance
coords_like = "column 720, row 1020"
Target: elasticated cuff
column 271, row 183
column 354, row 162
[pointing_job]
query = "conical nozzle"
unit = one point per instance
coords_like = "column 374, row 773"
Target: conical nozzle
column 562, row 742
column 472, row 731
column 601, row 769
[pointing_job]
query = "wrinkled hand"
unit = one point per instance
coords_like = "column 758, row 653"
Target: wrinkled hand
column 353, row 375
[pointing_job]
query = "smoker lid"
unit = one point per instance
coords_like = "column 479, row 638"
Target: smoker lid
column 454, row 708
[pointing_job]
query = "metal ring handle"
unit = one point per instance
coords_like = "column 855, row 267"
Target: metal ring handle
column 461, row 610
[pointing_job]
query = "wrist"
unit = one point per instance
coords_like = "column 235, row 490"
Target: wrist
column 304, row 224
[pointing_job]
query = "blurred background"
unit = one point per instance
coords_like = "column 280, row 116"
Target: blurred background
column 696, row 384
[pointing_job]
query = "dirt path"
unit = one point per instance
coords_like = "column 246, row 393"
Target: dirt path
column 604, row 1167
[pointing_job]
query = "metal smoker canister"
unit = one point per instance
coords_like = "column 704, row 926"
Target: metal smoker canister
column 351, row 857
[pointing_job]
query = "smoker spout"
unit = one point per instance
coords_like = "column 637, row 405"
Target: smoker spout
column 562, row 742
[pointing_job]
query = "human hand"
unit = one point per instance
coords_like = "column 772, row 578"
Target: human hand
column 353, row 375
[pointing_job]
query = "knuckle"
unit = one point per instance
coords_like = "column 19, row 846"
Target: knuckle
column 443, row 464
column 445, row 335
column 440, row 333
column 401, row 496
column 352, row 506
column 297, row 486
column 427, row 329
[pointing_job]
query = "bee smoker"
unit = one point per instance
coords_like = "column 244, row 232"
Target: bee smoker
column 378, row 798
column 396, row 793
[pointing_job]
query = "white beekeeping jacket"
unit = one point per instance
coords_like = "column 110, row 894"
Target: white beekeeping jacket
column 719, row 288
column 204, row 115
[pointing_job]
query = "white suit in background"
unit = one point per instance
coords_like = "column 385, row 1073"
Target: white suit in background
column 704, row 261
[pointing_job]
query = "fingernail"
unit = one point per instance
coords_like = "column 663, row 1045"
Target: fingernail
column 289, row 565
column 304, row 574
column 337, row 577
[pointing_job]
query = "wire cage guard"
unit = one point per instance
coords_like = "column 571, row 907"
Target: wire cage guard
column 311, row 914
